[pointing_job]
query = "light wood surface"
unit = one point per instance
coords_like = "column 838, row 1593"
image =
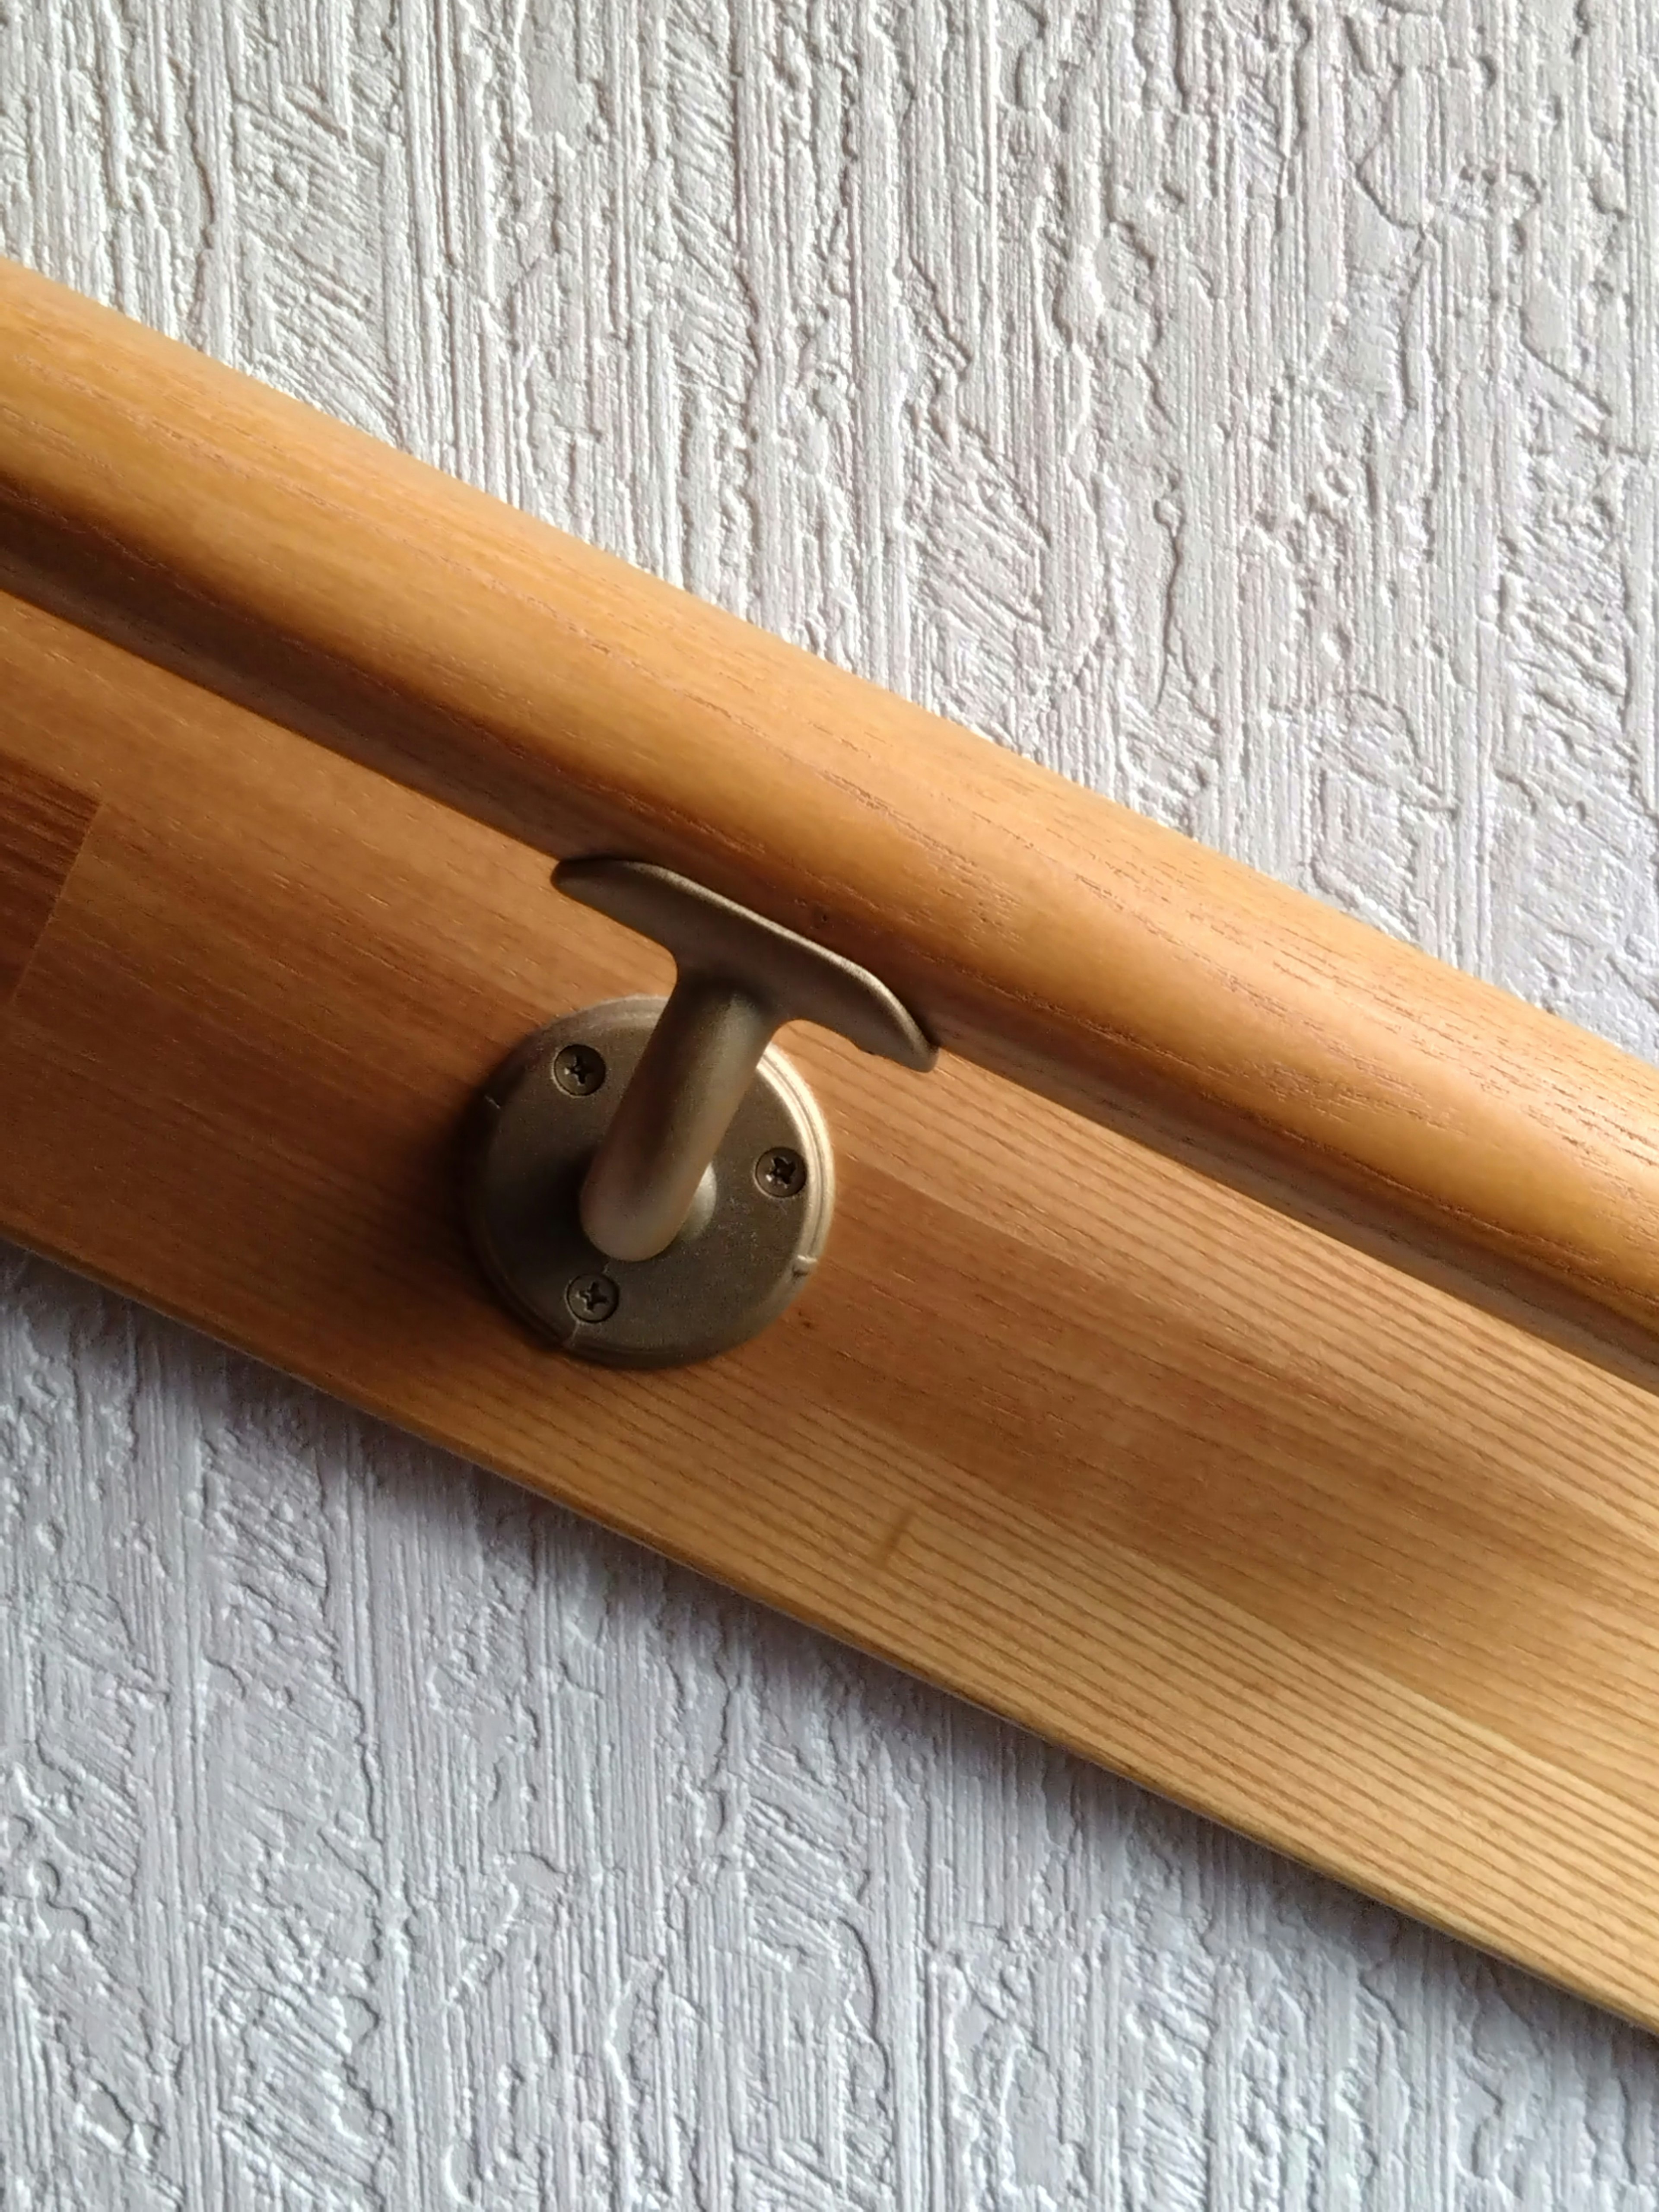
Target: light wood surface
column 1296, row 1535
column 1040, row 930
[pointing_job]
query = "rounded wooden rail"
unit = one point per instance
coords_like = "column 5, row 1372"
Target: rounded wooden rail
column 443, row 638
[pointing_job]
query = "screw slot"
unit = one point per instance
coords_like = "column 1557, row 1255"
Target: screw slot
column 579, row 1070
column 780, row 1172
column 593, row 1297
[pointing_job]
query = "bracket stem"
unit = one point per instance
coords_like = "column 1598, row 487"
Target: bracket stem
column 693, row 1076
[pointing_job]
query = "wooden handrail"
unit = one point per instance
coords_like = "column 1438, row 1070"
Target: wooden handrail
column 431, row 632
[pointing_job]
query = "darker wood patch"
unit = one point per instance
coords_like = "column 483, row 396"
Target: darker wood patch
column 43, row 825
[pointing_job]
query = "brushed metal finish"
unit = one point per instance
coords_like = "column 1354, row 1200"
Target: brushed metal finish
column 740, row 978
column 742, row 1251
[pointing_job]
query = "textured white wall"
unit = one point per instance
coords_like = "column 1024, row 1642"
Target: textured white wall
column 1249, row 408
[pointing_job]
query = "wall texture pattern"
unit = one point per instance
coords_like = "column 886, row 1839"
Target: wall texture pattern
column 1246, row 406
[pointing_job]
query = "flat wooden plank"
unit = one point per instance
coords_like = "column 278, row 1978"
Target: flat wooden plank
column 42, row 824
column 471, row 652
column 1299, row 1537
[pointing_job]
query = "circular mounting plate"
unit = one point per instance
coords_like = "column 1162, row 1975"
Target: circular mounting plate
column 754, row 1233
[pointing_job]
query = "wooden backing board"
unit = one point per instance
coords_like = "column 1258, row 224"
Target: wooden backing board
column 1292, row 1533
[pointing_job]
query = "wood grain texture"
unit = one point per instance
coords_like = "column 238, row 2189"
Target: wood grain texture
column 1304, row 1540
column 545, row 688
column 42, row 824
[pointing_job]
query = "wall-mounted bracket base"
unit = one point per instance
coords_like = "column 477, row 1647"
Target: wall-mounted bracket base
column 755, row 1232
